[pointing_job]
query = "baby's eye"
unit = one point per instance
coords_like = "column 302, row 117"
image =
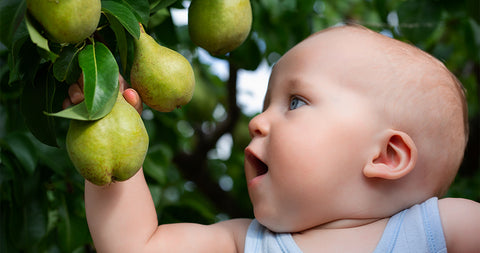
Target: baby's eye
column 296, row 102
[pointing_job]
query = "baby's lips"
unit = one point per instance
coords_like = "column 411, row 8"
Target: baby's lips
column 258, row 167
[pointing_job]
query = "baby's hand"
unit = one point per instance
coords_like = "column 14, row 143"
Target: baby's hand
column 75, row 94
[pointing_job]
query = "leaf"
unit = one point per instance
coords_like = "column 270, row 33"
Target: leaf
column 121, row 40
column 32, row 222
column 100, row 75
column 247, row 56
column 162, row 27
column 124, row 15
column 475, row 38
column 35, row 219
column 23, row 61
column 15, row 58
column 36, row 99
column 66, row 66
column 473, row 9
column 38, row 39
column 418, row 19
column 162, row 4
column 141, row 9
column 11, row 16
column 23, row 148
column 78, row 112
column 157, row 159
column 380, row 6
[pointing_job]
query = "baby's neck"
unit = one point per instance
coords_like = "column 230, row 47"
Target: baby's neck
column 348, row 223
column 362, row 235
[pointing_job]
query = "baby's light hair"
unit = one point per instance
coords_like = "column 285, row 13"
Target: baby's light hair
column 440, row 127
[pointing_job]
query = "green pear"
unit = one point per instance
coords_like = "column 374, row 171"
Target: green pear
column 163, row 78
column 66, row 21
column 219, row 26
column 112, row 148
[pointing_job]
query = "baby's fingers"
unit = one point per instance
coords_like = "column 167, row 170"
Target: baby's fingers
column 75, row 95
column 133, row 99
column 130, row 95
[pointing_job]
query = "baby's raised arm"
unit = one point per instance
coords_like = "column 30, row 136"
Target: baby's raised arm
column 461, row 224
column 122, row 217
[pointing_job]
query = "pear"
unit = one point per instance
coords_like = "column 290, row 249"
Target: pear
column 110, row 149
column 163, row 78
column 66, row 21
column 219, row 26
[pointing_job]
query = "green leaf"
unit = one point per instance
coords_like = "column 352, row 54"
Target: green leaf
column 157, row 159
column 141, row 8
column 23, row 148
column 381, row 8
column 38, row 39
column 121, row 39
column 36, row 99
column 23, row 61
column 247, row 56
column 66, row 66
column 161, row 26
column 162, row 4
column 418, row 19
column 475, row 38
column 100, row 75
column 35, row 220
column 124, row 15
column 11, row 15
column 15, row 58
column 78, row 112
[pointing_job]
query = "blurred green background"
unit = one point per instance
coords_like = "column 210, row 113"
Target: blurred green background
column 41, row 194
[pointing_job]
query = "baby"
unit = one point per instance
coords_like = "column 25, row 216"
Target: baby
column 359, row 137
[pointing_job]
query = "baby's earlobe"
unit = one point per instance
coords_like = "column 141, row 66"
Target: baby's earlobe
column 397, row 157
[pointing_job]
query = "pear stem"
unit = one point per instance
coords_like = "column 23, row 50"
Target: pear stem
column 142, row 30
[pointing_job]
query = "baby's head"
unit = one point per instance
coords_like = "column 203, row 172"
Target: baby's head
column 356, row 125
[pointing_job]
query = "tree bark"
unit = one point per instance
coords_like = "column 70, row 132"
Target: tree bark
column 193, row 165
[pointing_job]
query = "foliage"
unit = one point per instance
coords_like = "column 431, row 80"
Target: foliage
column 41, row 195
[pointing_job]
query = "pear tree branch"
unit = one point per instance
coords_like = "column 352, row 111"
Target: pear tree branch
column 471, row 163
column 194, row 165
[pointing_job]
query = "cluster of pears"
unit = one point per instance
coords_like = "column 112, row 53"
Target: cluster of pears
column 66, row 21
column 114, row 147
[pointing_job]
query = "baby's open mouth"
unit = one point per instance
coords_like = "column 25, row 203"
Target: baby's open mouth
column 260, row 167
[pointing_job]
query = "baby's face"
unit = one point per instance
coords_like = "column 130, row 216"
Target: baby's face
column 311, row 142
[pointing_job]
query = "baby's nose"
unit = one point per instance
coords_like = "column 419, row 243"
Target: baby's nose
column 259, row 126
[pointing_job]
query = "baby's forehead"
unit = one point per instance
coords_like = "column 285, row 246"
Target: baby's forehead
column 359, row 57
column 360, row 48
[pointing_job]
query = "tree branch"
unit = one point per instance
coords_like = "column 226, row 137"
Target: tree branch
column 471, row 163
column 194, row 165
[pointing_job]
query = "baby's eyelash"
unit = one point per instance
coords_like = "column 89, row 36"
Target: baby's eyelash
column 295, row 102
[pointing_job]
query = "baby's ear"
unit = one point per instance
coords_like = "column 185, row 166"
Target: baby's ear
column 396, row 158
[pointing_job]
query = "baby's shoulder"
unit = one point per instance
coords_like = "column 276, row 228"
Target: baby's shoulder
column 461, row 224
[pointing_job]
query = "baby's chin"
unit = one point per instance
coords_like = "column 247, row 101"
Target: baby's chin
column 277, row 224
